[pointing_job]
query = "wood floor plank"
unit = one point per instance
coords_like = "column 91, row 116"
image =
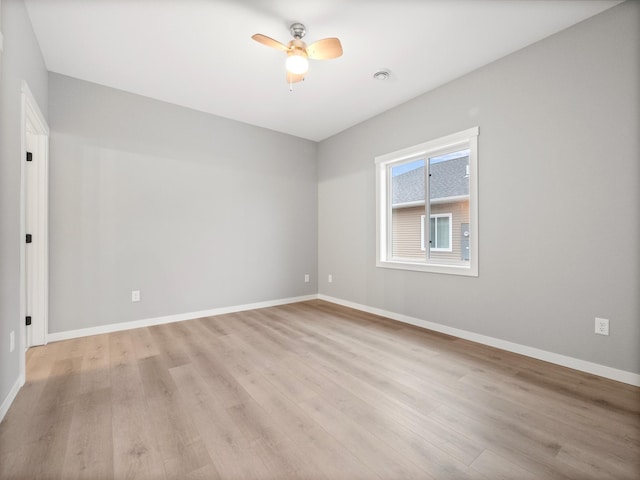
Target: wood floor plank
column 135, row 450
column 230, row 451
column 300, row 383
column 94, row 370
column 44, row 453
column 597, row 465
column 528, row 452
column 217, row 364
column 315, row 391
column 179, row 442
column 143, row 343
column 569, row 422
column 367, row 409
column 15, row 428
column 380, row 384
column 172, row 352
column 61, row 386
column 39, row 360
column 271, row 444
column 89, row 446
column 498, row 468
column 406, row 455
column 299, row 433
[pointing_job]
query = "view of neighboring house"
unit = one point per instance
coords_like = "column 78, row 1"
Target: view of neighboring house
column 449, row 201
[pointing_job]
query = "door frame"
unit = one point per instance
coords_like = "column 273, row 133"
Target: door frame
column 34, row 123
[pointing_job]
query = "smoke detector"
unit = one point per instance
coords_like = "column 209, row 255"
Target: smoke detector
column 381, row 75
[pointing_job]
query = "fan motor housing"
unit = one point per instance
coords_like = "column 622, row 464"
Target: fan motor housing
column 297, row 30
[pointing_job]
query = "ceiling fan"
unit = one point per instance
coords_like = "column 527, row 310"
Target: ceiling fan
column 298, row 52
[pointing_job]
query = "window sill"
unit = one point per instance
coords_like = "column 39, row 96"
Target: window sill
column 464, row 270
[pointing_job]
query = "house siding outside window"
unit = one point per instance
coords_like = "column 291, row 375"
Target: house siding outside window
column 407, row 233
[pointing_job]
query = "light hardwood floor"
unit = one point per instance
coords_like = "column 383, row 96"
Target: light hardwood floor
column 310, row 391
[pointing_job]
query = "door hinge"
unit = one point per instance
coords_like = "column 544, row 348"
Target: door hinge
column 29, row 238
column 28, row 320
column 29, row 157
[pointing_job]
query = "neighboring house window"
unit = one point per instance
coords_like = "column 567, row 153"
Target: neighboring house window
column 441, row 227
column 444, row 172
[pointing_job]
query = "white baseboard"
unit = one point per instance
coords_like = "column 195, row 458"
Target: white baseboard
column 147, row 322
column 11, row 396
column 563, row 360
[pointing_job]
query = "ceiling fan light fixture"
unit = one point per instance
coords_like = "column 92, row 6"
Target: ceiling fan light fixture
column 297, row 62
column 298, row 53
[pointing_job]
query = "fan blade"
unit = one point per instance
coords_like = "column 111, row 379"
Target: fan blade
column 269, row 42
column 294, row 78
column 325, row 49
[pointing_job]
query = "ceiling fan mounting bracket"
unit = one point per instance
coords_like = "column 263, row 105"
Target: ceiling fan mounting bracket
column 297, row 30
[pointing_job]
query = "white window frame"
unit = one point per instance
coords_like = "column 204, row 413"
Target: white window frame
column 422, row 230
column 466, row 139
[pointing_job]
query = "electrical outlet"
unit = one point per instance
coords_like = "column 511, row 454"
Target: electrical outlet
column 135, row 295
column 12, row 341
column 330, row 278
column 306, row 278
column 602, row 326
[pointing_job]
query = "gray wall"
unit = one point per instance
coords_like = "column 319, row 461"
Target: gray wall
column 21, row 60
column 193, row 210
column 559, row 197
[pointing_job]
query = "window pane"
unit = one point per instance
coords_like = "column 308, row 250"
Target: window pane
column 407, row 209
column 449, row 206
column 442, row 232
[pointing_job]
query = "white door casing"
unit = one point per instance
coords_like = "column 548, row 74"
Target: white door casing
column 34, row 198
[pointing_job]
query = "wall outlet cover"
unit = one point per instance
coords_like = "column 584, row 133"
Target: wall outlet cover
column 602, row 326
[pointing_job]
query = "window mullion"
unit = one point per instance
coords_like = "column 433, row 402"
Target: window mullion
column 427, row 208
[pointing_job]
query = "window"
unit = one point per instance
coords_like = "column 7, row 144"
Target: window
column 435, row 180
column 440, row 233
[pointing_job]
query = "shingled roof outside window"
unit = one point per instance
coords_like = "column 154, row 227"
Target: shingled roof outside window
column 448, row 179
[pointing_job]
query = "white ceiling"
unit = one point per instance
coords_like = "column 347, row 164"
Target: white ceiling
column 199, row 53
